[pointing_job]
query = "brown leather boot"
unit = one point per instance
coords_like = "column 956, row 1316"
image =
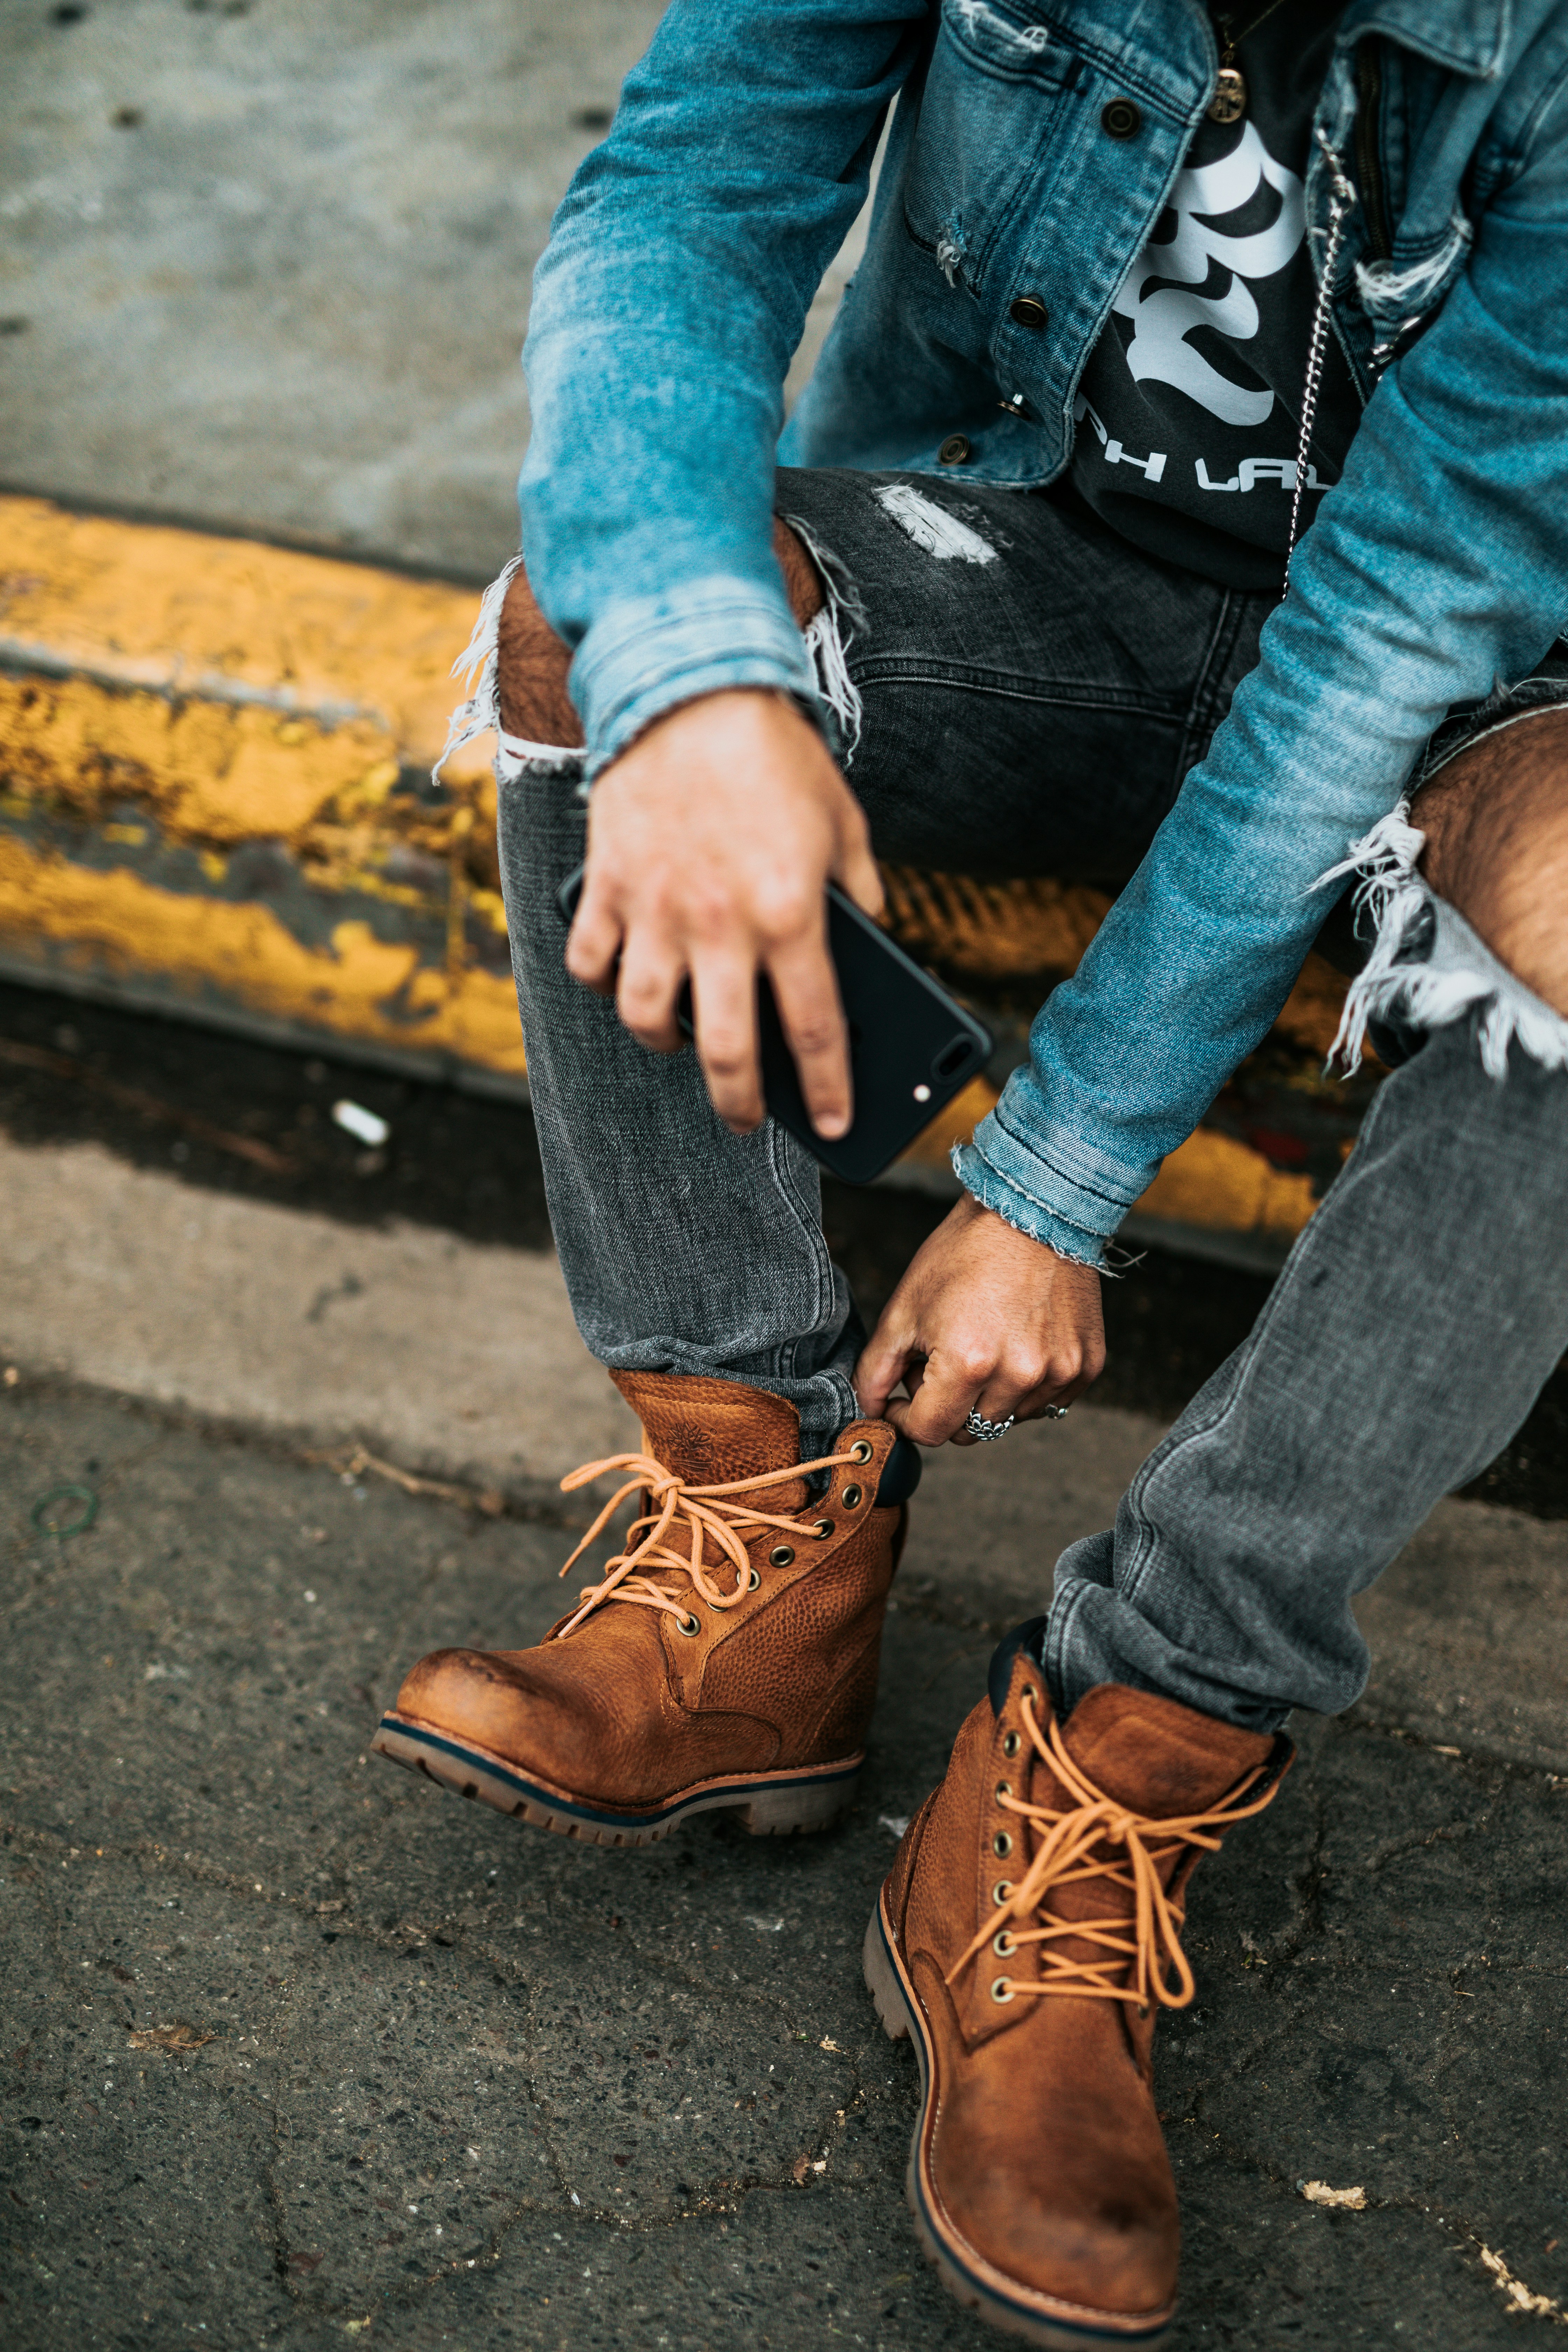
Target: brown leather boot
column 727, row 1660
column 1025, row 1938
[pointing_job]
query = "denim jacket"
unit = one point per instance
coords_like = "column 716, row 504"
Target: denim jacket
column 674, row 291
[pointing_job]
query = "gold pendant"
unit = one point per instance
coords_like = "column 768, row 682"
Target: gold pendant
column 1228, row 103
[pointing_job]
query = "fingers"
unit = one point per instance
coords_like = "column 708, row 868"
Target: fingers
column 952, row 1384
column 856, row 871
column 647, row 989
column 724, row 1007
column 594, row 941
column 985, row 1320
column 805, row 991
column 888, row 1358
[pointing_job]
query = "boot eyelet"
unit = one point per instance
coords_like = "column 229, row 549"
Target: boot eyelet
column 1002, row 1945
column 1143, row 2008
column 780, row 1556
column 1001, row 1989
column 823, row 1529
column 860, row 1450
column 753, row 1579
column 1001, row 1891
column 1032, row 1695
column 1011, row 1744
column 850, row 1498
column 690, row 1626
column 1002, row 1845
column 1004, row 1789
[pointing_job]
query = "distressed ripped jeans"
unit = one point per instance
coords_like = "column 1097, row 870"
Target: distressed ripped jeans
column 1019, row 692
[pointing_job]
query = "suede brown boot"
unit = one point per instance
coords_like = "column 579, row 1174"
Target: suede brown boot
column 1026, row 1936
column 726, row 1660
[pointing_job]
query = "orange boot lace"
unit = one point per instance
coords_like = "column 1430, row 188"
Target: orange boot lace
column 679, row 1515
column 1071, row 1848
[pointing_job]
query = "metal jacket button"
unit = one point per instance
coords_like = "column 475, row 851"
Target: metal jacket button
column 1029, row 310
column 1121, row 119
column 953, row 450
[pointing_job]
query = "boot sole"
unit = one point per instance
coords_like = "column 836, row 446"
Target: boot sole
column 770, row 1805
column 964, row 2273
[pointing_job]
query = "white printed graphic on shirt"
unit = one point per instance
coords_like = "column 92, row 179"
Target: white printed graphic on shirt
column 1163, row 319
column 1253, row 470
column 1250, row 471
column 1150, row 467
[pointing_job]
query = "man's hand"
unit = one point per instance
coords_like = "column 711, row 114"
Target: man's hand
column 710, row 843
column 985, row 1319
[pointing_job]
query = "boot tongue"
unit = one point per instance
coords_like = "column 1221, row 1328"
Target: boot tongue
column 1155, row 1757
column 712, row 1432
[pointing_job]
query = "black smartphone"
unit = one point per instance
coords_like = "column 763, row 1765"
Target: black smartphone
column 912, row 1044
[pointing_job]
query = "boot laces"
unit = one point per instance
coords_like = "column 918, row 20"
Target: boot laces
column 672, row 1533
column 1135, row 1957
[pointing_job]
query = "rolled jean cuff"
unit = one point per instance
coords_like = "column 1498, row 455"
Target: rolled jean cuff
column 647, row 657
column 985, row 1184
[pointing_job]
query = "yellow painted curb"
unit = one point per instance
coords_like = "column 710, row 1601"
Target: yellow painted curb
column 210, row 756
column 211, row 753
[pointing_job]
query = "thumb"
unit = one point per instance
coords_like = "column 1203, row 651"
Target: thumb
column 877, row 1374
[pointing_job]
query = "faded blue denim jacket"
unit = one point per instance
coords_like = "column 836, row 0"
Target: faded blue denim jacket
column 674, row 291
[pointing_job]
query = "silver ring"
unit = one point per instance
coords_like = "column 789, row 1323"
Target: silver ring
column 987, row 1431
column 1056, row 1412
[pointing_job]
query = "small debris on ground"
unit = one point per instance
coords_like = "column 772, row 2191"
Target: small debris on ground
column 1318, row 2192
column 170, row 2037
column 363, row 1125
column 1520, row 2297
column 897, row 1823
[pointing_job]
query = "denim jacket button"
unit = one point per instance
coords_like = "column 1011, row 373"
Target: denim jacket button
column 1121, row 119
column 953, row 450
column 1029, row 310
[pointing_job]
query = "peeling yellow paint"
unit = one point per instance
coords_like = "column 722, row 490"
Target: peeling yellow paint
column 117, row 927
column 214, row 772
column 219, row 694
column 191, row 613
column 1217, row 1181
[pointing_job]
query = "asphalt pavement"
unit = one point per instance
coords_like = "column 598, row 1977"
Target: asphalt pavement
column 294, row 2049
column 297, row 2049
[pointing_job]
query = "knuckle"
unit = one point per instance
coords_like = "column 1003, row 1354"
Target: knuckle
column 781, row 908
column 814, row 1037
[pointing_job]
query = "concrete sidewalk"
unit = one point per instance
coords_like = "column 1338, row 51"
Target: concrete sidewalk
column 299, row 2049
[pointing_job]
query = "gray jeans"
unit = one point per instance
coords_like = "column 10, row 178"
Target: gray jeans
column 1420, row 1313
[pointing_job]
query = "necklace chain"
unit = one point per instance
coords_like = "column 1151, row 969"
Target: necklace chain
column 1233, row 40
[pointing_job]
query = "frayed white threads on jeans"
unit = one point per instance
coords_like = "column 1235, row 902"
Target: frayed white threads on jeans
column 1458, row 975
column 479, row 664
column 828, row 635
column 825, row 643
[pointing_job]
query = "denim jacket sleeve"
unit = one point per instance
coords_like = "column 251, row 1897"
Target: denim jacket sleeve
column 666, row 310
column 1436, row 567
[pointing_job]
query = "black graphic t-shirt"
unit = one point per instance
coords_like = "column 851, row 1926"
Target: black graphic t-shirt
column 1190, row 408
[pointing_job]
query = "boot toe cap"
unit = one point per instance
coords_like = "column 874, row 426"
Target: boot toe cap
column 491, row 1700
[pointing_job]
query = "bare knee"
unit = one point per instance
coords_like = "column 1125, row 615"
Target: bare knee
column 803, row 582
column 1496, row 820
column 532, row 672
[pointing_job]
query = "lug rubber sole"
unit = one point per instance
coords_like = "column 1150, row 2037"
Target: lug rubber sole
column 1015, row 2313
column 776, row 1804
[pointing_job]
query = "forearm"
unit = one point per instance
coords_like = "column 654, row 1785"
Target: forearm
column 1438, row 566
column 666, row 311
